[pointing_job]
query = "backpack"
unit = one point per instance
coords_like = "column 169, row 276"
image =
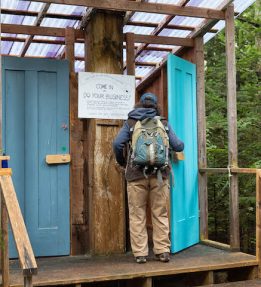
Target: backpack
column 150, row 144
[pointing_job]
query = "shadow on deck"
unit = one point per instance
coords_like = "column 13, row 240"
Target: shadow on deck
column 197, row 266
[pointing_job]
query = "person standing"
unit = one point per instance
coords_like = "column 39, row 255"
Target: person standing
column 146, row 183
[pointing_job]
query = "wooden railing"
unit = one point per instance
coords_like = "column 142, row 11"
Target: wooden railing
column 10, row 209
column 235, row 216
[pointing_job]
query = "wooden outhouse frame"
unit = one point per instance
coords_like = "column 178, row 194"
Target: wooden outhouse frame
column 191, row 49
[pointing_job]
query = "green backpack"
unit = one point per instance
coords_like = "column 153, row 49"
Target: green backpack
column 150, row 144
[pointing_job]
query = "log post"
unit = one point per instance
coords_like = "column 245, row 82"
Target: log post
column 202, row 150
column 104, row 43
column 232, row 126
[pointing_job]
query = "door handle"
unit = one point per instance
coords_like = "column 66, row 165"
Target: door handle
column 57, row 158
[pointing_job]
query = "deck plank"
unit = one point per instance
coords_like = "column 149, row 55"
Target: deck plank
column 84, row 269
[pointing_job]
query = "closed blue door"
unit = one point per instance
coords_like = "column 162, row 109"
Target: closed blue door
column 182, row 117
column 35, row 121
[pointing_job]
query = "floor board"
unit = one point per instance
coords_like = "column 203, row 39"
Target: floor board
column 83, row 269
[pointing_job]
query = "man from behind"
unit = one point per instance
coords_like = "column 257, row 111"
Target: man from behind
column 147, row 171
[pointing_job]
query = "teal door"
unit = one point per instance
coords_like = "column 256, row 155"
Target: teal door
column 182, row 118
column 35, row 124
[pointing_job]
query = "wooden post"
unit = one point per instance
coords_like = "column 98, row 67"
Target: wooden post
column 130, row 57
column 130, row 54
column 202, row 150
column 258, row 220
column 69, row 47
column 104, row 43
column 232, row 126
column 28, row 281
column 4, row 245
column 78, row 197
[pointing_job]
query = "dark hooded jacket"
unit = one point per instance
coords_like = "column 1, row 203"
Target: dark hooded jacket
column 124, row 137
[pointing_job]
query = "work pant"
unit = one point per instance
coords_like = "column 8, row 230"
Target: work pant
column 139, row 192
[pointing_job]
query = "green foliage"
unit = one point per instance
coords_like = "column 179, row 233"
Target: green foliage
column 248, row 55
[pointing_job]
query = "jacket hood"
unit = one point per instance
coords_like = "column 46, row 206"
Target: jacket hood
column 142, row 113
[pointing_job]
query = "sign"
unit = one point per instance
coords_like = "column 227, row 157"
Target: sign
column 105, row 96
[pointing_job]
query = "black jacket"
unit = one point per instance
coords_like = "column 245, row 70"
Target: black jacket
column 124, row 136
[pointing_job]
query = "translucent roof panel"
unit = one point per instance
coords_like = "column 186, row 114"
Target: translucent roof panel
column 43, row 50
column 138, row 30
column 66, row 9
column 15, row 47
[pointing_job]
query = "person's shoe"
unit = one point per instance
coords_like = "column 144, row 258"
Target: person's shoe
column 141, row 259
column 163, row 257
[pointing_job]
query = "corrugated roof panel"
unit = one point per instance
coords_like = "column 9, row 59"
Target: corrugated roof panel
column 79, row 49
column 43, row 50
column 66, row 9
column 174, row 33
column 148, row 17
column 58, row 23
column 35, row 6
column 16, row 49
column 242, row 5
column 138, row 30
column 6, row 47
column 28, row 20
column 79, row 66
column 152, row 56
column 205, row 3
column 142, row 71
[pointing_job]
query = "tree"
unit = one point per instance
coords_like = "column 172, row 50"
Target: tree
column 248, row 52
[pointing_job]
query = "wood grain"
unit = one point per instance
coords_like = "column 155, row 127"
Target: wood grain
column 232, row 126
column 106, row 186
column 23, row 245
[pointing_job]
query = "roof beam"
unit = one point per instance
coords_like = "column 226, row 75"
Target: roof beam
column 60, row 32
column 37, row 22
column 37, row 30
column 161, row 40
column 35, row 14
column 158, row 8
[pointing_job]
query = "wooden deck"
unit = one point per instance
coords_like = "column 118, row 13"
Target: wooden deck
column 84, row 269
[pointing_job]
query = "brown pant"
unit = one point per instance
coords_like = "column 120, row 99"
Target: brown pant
column 139, row 192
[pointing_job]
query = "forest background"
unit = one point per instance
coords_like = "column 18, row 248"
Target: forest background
column 248, row 60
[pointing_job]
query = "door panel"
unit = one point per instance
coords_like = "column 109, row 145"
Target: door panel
column 182, row 117
column 36, row 113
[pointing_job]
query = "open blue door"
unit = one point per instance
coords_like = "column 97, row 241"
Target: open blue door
column 35, row 121
column 182, row 117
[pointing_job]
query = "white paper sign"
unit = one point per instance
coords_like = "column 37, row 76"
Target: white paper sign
column 105, row 96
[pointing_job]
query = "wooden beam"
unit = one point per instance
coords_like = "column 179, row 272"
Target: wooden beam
column 232, row 126
column 147, row 7
column 37, row 22
column 150, row 39
column 69, row 47
column 226, row 170
column 202, row 148
column 24, row 248
column 216, row 244
column 39, row 30
column 130, row 54
column 35, row 14
column 258, row 220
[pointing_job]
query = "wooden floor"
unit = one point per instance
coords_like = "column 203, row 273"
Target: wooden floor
column 84, row 269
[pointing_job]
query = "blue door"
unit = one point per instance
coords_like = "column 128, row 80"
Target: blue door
column 35, row 121
column 182, row 117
